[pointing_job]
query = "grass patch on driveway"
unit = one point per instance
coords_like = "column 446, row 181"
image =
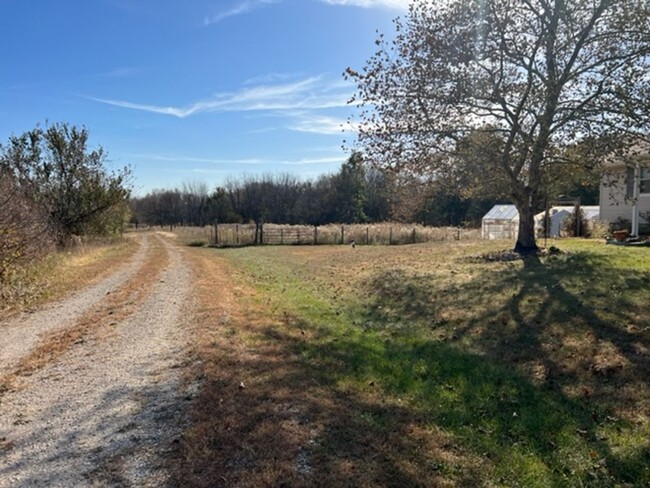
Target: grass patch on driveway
column 428, row 366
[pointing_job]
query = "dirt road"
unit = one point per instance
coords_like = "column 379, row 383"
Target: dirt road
column 108, row 409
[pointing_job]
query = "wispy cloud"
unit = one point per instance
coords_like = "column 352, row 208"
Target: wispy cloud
column 321, row 124
column 191, row 159
column 272, row 78
column 307, row 94
column 247, row 6
column 121, row 72
column 305, row 161
column 238, row 9
column 391, row 4
column 263, row 130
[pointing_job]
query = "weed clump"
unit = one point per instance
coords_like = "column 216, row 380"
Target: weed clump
column 197, row 243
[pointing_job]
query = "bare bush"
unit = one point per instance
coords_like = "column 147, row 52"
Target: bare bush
column 24, row 235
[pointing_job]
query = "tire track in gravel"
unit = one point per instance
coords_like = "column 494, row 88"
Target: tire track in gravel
column 109, row 410
column 21, row 334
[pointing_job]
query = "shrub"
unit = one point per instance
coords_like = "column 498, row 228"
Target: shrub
column 571, row 228
column 25, row 233
column 620, row 224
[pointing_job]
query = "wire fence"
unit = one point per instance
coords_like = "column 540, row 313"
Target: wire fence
column 236, row 235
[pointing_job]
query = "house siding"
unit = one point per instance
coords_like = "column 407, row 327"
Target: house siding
column 613, row 204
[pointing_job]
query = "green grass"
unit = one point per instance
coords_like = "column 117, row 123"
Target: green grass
column 536, row 370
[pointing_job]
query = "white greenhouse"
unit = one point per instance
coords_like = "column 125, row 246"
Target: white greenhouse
column 501, row 222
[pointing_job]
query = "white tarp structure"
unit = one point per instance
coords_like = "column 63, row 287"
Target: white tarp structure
column 557, row 216
column 501, row 222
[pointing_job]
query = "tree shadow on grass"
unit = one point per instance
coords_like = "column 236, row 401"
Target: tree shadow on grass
column 413, row 413
column 408, row 393
column 543, row 356
column 288, row 424
column 582, row 292
column 517, row 311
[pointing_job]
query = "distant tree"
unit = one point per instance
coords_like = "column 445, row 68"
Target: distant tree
column 356, row 193
column 316, row 203
column 282, row 192
column 195, row 196
column 350, row 191
column 248, row 198
column 409, row 195
column 142, row 210
column 169, row 207
column 55, row 169
column 377, row 195
column 520, row 81
column 220, row 207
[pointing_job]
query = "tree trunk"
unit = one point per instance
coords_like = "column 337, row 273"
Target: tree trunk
column 526, row 237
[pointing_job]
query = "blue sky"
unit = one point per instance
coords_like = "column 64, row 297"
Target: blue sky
column 191, row 90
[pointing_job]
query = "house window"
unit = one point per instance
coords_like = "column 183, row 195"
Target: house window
column 644, row 181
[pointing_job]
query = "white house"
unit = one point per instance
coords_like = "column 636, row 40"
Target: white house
column 625, row 192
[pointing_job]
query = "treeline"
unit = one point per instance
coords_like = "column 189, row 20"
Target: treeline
column 54, row 191
column 357, row 193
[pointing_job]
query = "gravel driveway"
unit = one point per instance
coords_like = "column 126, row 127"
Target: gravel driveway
column 106, row 412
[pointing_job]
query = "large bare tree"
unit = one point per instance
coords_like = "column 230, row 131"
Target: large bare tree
column 503, row 88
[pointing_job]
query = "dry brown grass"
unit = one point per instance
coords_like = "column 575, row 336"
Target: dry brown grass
column 64, row 272
column 265, row 417
column 418, row 366
column 235, row 418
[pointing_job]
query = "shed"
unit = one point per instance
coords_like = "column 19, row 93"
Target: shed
column 558, row 214
column 501, row 222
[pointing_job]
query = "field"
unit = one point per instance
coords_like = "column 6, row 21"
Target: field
column 438, row 364
column 448, row 363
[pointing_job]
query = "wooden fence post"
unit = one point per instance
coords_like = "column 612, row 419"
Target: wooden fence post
column 367, row 235
column 216, row 233
column 413, row 237
column 237, row 234
column 342, row 235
